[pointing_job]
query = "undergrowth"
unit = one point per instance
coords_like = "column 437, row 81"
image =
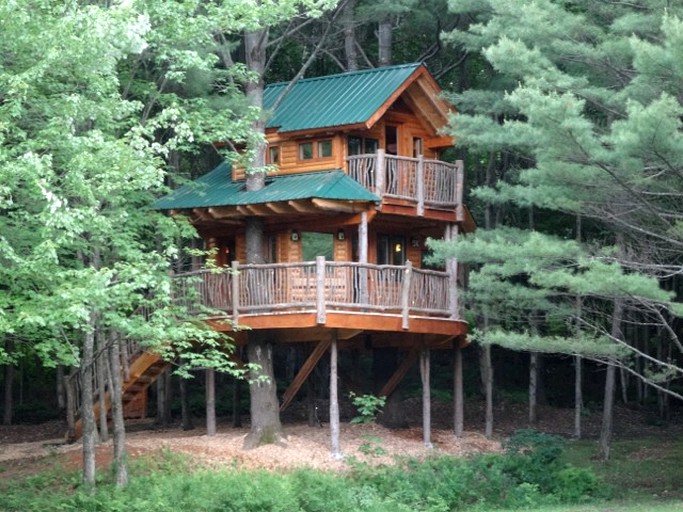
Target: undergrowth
column 528, row 474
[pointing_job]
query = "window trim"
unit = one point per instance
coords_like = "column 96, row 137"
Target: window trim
column 315, row 149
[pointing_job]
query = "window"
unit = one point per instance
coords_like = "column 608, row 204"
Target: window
column 391, row 250
column 362, row 145
column 317, row 244
column 325, row 149
column 306, row 151
column 273, row 155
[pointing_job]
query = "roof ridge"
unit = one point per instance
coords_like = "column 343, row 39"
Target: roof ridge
column 349, row 73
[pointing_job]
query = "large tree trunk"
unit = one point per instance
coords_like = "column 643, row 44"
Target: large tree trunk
column 348, row 22
column 8, row 401
column 265, row 418
column 426, row 397
column 119, row 461
column 610, row 382
column 265, row 413
column 385, row 36
column 60, row 392
column 458, row 400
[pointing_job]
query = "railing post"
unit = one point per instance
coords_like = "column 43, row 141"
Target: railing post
column 459, row 188
column 405, row 294
column 320, row 289
column 380, row 177
column 420, row 186
column 235, row 291
column 452, row 269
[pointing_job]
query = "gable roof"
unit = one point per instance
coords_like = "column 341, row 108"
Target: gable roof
column 335, row 100
column 217, row 188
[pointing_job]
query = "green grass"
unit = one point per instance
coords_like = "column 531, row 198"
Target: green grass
column 644, row 468
column 613, row 506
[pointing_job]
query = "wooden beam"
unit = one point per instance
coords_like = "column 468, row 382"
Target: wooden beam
column 224, row 212
column 303, row 207
column 260, row 210
column 339, row 206
column 281, row 208
column 400, row 373
column 304, row 372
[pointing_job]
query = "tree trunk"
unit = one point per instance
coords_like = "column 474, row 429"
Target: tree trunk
column 61, row 394
column 120, row 459
column 610, row 381
column 486, row 367
column 167, row 377
column 8, row 402
column 334, row 399
column 458, row 402
column 350, row 36
column 210, row 375
column 161, row 401
column 426, row 398
column 578, row 395
column 87, row 413
column 385, row 36
column 70, row 391
column 237, row 403
column 265, row 418
column 533, row 388
column 101, row 375
column 186, row 416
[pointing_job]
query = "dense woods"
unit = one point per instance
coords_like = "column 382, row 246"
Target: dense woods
column 568, row 120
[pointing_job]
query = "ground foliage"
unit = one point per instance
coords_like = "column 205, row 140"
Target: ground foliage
column 531, row 472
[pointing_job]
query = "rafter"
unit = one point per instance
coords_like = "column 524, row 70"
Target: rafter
column 339, row 206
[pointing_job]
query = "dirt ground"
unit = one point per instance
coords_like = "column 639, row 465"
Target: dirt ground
column 26, row 449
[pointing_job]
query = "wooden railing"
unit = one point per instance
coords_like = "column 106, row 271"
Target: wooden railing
column 426, row 182
column 321, row 286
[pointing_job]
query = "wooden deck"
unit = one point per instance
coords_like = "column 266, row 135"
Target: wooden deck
column 341, row 295
column 425, row 183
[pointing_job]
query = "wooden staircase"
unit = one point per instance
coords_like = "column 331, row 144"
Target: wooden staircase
column 142, row 371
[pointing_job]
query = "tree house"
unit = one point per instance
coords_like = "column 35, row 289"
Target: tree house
column 355, row 187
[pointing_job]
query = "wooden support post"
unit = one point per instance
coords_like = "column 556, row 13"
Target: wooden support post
column 235, row 292
column 303, row 373
column 420, row 186
column 458, row 402
column 405, row 295
column 451, row 235
column 334, row 398
column 426, row 398
column 363, row 257
column 320, row 289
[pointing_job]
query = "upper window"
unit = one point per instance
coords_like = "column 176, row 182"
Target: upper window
column 273, row 155
column 311, row 150
column 306, row 151
column 362, row 145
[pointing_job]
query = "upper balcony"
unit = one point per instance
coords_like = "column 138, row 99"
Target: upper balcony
column 417, row 184
column 342, row 295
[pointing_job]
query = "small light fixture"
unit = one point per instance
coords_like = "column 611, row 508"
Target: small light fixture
column 294, row 236
column 341, row 235
column 398, row 248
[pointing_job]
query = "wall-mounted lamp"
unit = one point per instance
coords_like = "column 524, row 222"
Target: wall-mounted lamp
column 294, row 236
column 341, row 235
column 398, row 248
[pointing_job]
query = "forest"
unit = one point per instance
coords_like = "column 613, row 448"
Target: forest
column 567, row 116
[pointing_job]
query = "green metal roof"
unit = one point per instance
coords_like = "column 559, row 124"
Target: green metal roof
column 217, row 188
column 334, row 100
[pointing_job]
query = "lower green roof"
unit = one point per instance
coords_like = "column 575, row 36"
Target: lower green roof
column 217, row 188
